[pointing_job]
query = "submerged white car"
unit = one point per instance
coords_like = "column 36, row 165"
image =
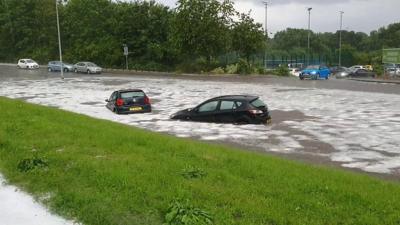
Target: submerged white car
column 27, row 64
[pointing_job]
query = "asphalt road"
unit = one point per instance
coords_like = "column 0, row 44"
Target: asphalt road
column 343, row 123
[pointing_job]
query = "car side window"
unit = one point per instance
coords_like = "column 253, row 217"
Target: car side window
column 227, row 105
column 209, row 106
column 113, row 96
column 22, row 61
column 238, row 104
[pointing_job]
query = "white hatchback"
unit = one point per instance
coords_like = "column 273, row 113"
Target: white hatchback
column 27, row 64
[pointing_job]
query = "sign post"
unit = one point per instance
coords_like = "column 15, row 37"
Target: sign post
column 391, row 56
column 126, row 53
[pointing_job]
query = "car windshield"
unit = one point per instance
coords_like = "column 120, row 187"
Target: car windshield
column 257, row 103
column 312, row 67
column 132, row 94
column 30, row 61
column 91, row 64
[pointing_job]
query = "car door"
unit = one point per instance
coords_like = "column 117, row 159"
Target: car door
column 205, row 112
column 22, row 64
column 225, row 112
column 79, row 67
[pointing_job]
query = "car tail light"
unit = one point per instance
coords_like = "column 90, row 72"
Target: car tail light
column 120, row 102
column 255, row 111
column 146, row 100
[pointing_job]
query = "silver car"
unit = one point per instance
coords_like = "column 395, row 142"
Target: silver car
column 87, row 67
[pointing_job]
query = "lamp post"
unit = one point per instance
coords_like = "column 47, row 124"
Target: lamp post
column 59, row 41
column 266, row 33
column 340, row 38
column 309, row 33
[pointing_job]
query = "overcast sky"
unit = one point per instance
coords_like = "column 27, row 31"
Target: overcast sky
column 360, row 15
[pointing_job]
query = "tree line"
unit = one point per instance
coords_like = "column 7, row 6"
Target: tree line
column 197, row 35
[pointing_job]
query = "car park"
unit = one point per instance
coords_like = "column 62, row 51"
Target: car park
column 315, row 72
column 27, row 64
column 237, row 109
column 56, row 66
column 129, row 101
column 87, row 67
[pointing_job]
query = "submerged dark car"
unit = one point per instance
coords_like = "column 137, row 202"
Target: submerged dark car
column 129, row 101
column 238, row 109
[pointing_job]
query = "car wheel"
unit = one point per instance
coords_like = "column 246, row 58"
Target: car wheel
column 301, row 77
column 88, row 71
column 65, row 70
column 49, row 69
column 75, row 70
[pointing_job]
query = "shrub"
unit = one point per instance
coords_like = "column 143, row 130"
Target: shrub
column 243, row 67
column 218, row 70
column 282, row 71
column 193, row 172
column 30, row 164
column 183, row 213
column 232, row 69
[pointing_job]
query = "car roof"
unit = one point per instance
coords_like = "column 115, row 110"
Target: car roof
column 236, row 97
column 130, row 90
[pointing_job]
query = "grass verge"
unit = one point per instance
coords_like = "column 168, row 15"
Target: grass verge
column 101, row 172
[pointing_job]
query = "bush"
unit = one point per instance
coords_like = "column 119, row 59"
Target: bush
column 232, row 69
column 243, row 67
column 281, row 71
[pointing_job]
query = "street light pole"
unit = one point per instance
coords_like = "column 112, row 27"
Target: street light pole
column 340, row 38
column 309, row 33
column 266, row 33
column 59, row 41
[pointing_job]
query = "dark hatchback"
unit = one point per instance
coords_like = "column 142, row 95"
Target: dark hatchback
column 129, row 101
column 238, row 109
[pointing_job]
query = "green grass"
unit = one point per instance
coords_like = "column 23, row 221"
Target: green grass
column 101, row 172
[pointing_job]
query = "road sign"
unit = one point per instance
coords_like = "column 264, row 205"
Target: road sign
column 126, row 52
column 391, row 55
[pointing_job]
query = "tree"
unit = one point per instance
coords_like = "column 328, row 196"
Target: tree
column 248, row 37
column 201, row 28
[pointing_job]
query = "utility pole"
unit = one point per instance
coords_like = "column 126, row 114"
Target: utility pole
column 309, row 33
column 266, row 33
column 340, row 38
column 59, row 42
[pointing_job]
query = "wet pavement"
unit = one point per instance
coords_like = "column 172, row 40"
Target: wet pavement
column 345, row 123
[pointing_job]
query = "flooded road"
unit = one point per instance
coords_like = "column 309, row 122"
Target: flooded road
column 337, row 122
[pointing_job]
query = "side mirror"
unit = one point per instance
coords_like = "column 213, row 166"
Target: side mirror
column 107, row 100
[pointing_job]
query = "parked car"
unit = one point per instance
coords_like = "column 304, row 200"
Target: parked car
column 56, row 66
column 87, row 67
column 341, row 72
column 129, row 101
column 362, row 73
column 27, row 64
column 315, row 72
column 295, row 71
column 236, row 109
column 356, row 67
